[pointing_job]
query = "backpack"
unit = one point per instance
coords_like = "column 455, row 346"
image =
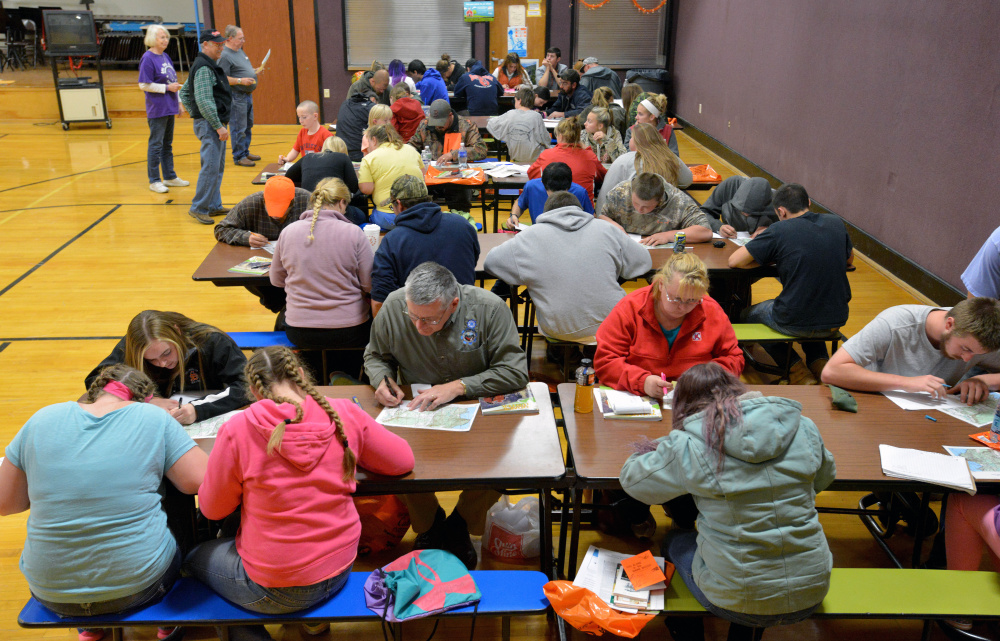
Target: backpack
column 420, row 584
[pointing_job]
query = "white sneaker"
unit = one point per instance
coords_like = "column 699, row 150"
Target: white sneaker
column 176, row 182
column 158, row 187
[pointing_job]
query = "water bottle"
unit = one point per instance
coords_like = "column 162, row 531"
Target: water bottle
column 463, row 157
column 995, row 428
column 585, row 381
column 425, row 156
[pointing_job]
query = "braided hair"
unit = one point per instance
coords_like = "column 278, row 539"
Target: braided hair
column 279, row 364
column 329, row 191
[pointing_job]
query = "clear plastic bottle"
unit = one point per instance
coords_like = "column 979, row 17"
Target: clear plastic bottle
column 995, row 428
column 425, row 156
column 585, row 381
column 463, row 157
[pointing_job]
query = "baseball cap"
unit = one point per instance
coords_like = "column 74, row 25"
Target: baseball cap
column 406, row 187
column 438, row 114
column 211, row 36
column 278, row 195
column 590, row 61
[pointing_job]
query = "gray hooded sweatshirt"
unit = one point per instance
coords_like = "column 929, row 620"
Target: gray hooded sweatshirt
column 571, row 263
column 736, row 195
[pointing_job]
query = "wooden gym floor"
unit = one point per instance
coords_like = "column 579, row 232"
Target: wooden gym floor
column 86, row 246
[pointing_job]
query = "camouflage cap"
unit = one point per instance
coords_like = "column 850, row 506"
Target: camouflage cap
column 408, row 187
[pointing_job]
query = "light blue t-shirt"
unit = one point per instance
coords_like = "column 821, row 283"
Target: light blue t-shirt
column 534, row 196
column 96, row 530
column 982, row 276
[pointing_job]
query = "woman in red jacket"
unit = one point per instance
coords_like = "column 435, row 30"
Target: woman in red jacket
column 656, row 333
column 585, row 165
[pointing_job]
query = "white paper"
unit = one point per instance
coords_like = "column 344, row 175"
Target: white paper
column 269, row 248
column 976, row 415
column 454, row 417
column 597, row 574
column 984, row 462
column 515, row 15
column 506, row 170
column 638, row 238
column 266, row 56
column 625, row 403
column 930, row 467
column 286, row 166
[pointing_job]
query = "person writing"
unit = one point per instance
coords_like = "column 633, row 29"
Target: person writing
column 387, row 158
column 753, row 466
column 648, row 152
column 650, row 206
column 656, row 333
column 179, row 355
column 287, row 463
column 96, row 547
column 461, row 340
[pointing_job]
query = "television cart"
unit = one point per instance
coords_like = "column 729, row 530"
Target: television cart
column 80, row 99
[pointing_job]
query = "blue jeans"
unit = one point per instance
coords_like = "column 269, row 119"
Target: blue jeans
column 161, row 149
column 150, row 594
column 218, row 565
column 679, row 548
column 764, row 313
column 208, row 193
column 385, row 220
column 240, row 123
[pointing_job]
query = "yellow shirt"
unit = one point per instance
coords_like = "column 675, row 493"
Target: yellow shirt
column 384, row 165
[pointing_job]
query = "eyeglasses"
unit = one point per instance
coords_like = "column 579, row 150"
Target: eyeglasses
column 681, row 301
column 427, row 321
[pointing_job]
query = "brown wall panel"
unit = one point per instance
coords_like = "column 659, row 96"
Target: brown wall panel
column 306, row 58
column 266, row 25
column 223, row 13
column 888, row 112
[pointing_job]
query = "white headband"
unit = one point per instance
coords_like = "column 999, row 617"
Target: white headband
column 650, row 108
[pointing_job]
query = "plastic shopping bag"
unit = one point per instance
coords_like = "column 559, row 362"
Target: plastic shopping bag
column 586, row 612
column 384, row 522
column 511, row 530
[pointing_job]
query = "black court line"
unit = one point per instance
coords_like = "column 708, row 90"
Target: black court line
column 53, row 254
column 63, row 206
column 6, row 344
column 90, row 171
column 8, row 341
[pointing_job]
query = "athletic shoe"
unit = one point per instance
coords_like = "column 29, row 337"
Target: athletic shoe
column 246, row 162
column 91, row 634
column 253, row 157
column 201, row 218
column 317, row 629
column 158, row 187
column 458, row 541
column 176, row 182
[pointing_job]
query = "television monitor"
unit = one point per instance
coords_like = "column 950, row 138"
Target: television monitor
column 70, row 33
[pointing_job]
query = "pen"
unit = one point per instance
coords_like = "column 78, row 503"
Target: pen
column 357, row 402
column 930, row 418
column 178, row 403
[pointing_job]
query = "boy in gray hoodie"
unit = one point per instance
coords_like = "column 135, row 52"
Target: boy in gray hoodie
column 571, row 263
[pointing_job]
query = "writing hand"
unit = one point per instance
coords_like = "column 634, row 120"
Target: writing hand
column 257, row 240
column 930, row 384
column 436, row 396
column 557, row 114
column 656, row 387
column 282, row 160
column 727, row 231
column 971, row 390
column 174, row 86
column 513, row 222
column 223, row 133
column 388, row 393
column 184, row 414
column 657, row 239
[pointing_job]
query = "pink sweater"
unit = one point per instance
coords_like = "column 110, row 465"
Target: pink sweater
column 298, row 524
column 326, row 281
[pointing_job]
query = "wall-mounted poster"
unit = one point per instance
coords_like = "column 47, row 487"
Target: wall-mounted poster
column 517, row 40
column 478, row 11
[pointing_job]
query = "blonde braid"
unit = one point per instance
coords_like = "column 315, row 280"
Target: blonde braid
column 260, row 377
column 312, row 225
column 350, row 459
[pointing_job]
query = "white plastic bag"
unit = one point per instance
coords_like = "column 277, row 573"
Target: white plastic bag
column 512, row 529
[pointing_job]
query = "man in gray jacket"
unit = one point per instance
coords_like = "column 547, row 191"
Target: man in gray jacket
column 594, row 76
column 740, row 204
column 564, row 250
column 463, row 341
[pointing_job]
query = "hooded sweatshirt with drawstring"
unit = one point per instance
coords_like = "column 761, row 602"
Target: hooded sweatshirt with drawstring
column 736, row 196
column 298, row 525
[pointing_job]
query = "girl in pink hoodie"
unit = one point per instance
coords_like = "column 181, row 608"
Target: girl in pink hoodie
column 288, row 461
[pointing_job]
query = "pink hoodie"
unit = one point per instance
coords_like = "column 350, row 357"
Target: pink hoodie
column 298, row 525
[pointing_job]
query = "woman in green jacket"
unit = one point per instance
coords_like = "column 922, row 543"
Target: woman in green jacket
column 753, row 465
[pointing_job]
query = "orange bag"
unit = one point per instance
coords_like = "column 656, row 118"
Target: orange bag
column 384, row 522
column 441, row 177
column 451, row 142
column 586, row 612
column 705, row 174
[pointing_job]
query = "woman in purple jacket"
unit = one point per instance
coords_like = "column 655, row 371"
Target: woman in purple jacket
column 324, row 262
column 159, row 80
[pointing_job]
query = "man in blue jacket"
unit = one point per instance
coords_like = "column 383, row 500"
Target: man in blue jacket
column 423, row 232
column 427, row 81
column 480, row 89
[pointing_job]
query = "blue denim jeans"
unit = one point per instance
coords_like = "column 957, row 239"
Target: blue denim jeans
column 679, row 547
column 218, row 565
column 764, row 313
column 208, row 193
column 160, row 153
column 240, row 123
column 385, row 220
column 150, row 594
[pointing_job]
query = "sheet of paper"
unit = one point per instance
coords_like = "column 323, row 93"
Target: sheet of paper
column 638, row 237
column 534, row 9
column 625, row 403
column 266, row 56
column 643, row 571
column 984, row 462
column 977, row 415
column 286, row 166
column 269, row 248
column 940, row 469
column 209, row 428
column 597, row 573
column 454, row 417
